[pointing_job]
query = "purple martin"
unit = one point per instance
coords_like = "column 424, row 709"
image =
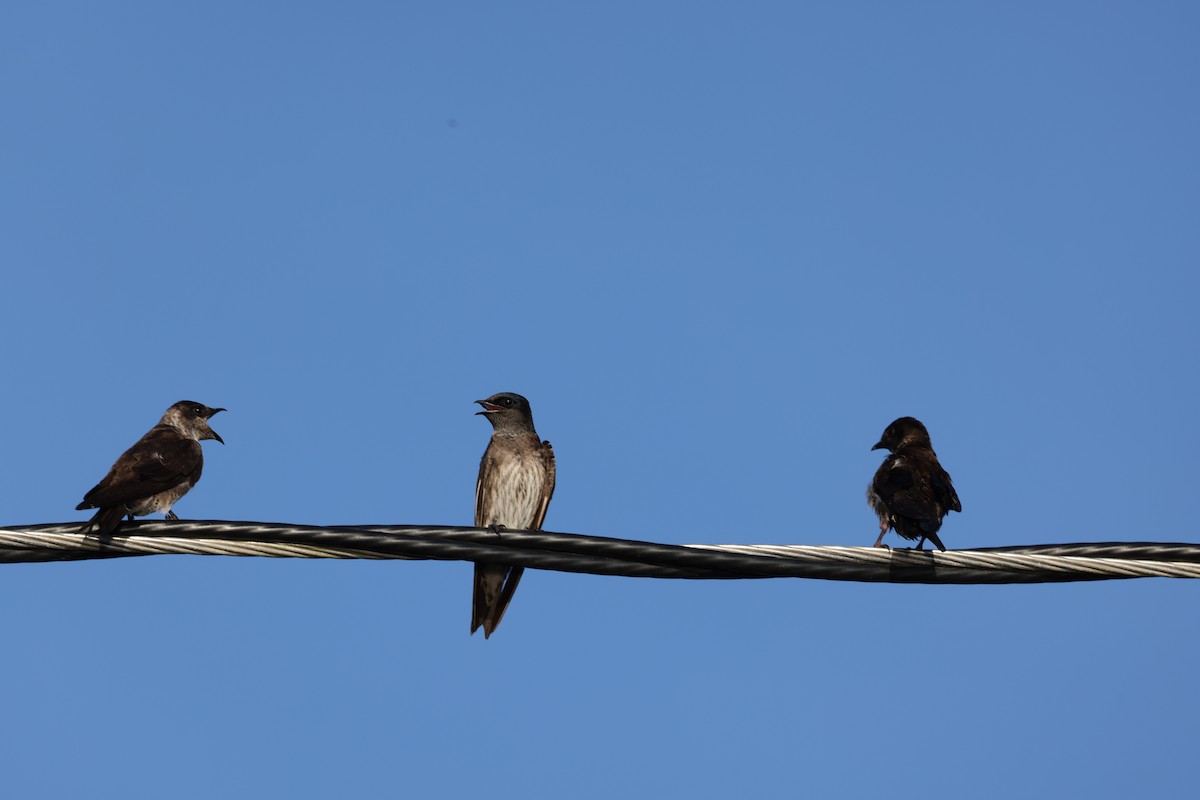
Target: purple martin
column 153, row 474
column 516, row 481
column 911, row 493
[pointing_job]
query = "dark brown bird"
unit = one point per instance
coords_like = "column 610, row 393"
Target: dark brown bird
column 911, row 493
column 516, row 481
column 154, row 473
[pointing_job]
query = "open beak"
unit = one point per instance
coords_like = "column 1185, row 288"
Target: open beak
column 215, row 435
column 488, row 408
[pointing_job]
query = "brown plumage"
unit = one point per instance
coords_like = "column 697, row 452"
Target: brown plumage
column 153, row 474
column 911, row 493
column 516, row 481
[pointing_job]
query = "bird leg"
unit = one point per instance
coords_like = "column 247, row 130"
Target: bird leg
column 920, row 544
column 171, row 515
column 883, row 528
column 497, row 529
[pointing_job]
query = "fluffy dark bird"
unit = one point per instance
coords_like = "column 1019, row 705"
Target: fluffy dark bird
column 516, row 481
column 911, row 493
column 154, row 473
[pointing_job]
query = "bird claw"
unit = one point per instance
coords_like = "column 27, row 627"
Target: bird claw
column 171, row 515
column 497, row 529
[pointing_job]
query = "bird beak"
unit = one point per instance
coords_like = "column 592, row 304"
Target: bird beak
column 215, row 435
column 878, row 446
column 488, row 408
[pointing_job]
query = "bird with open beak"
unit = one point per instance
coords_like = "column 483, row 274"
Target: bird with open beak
column 911, row 493
column 153, row 474
column 516, row 481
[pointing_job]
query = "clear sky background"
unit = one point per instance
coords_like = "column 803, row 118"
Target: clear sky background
column 719, row 247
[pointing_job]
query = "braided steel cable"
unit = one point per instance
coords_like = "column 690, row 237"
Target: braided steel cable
column 607, row 556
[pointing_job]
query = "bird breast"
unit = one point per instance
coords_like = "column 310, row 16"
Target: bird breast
column 517, row 491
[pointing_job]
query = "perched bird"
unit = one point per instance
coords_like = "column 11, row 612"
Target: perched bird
column 154, row 473
column 911, row 493
column 516, row 481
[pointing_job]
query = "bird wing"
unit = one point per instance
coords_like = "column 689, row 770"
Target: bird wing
column 904, row 489
column 160, row 460
column 945, row 489
column 547, row 454
column 484, row 489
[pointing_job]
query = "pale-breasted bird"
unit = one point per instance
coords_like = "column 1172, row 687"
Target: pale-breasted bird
column 153, row 474
column 516, row 481
column 911, row 493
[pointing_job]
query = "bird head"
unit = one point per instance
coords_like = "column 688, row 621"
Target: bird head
column 507, row 411
column 191, row 419
column 905, row 430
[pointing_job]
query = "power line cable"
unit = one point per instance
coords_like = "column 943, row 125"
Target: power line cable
column 599, row 555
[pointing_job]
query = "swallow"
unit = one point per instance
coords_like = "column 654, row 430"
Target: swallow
column 911, row 493
column 153, row 474
column 516, row 482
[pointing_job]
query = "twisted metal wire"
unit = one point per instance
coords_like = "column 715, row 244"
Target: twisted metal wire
column 606, row 556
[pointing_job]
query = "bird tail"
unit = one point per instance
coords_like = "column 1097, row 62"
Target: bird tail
column 933, row 537
column 105, row 521
column 494, row 588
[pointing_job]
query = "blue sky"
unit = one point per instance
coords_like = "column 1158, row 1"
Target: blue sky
column 719, row 248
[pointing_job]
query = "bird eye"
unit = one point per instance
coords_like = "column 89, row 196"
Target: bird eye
column 199, row 410
column 508, row 402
